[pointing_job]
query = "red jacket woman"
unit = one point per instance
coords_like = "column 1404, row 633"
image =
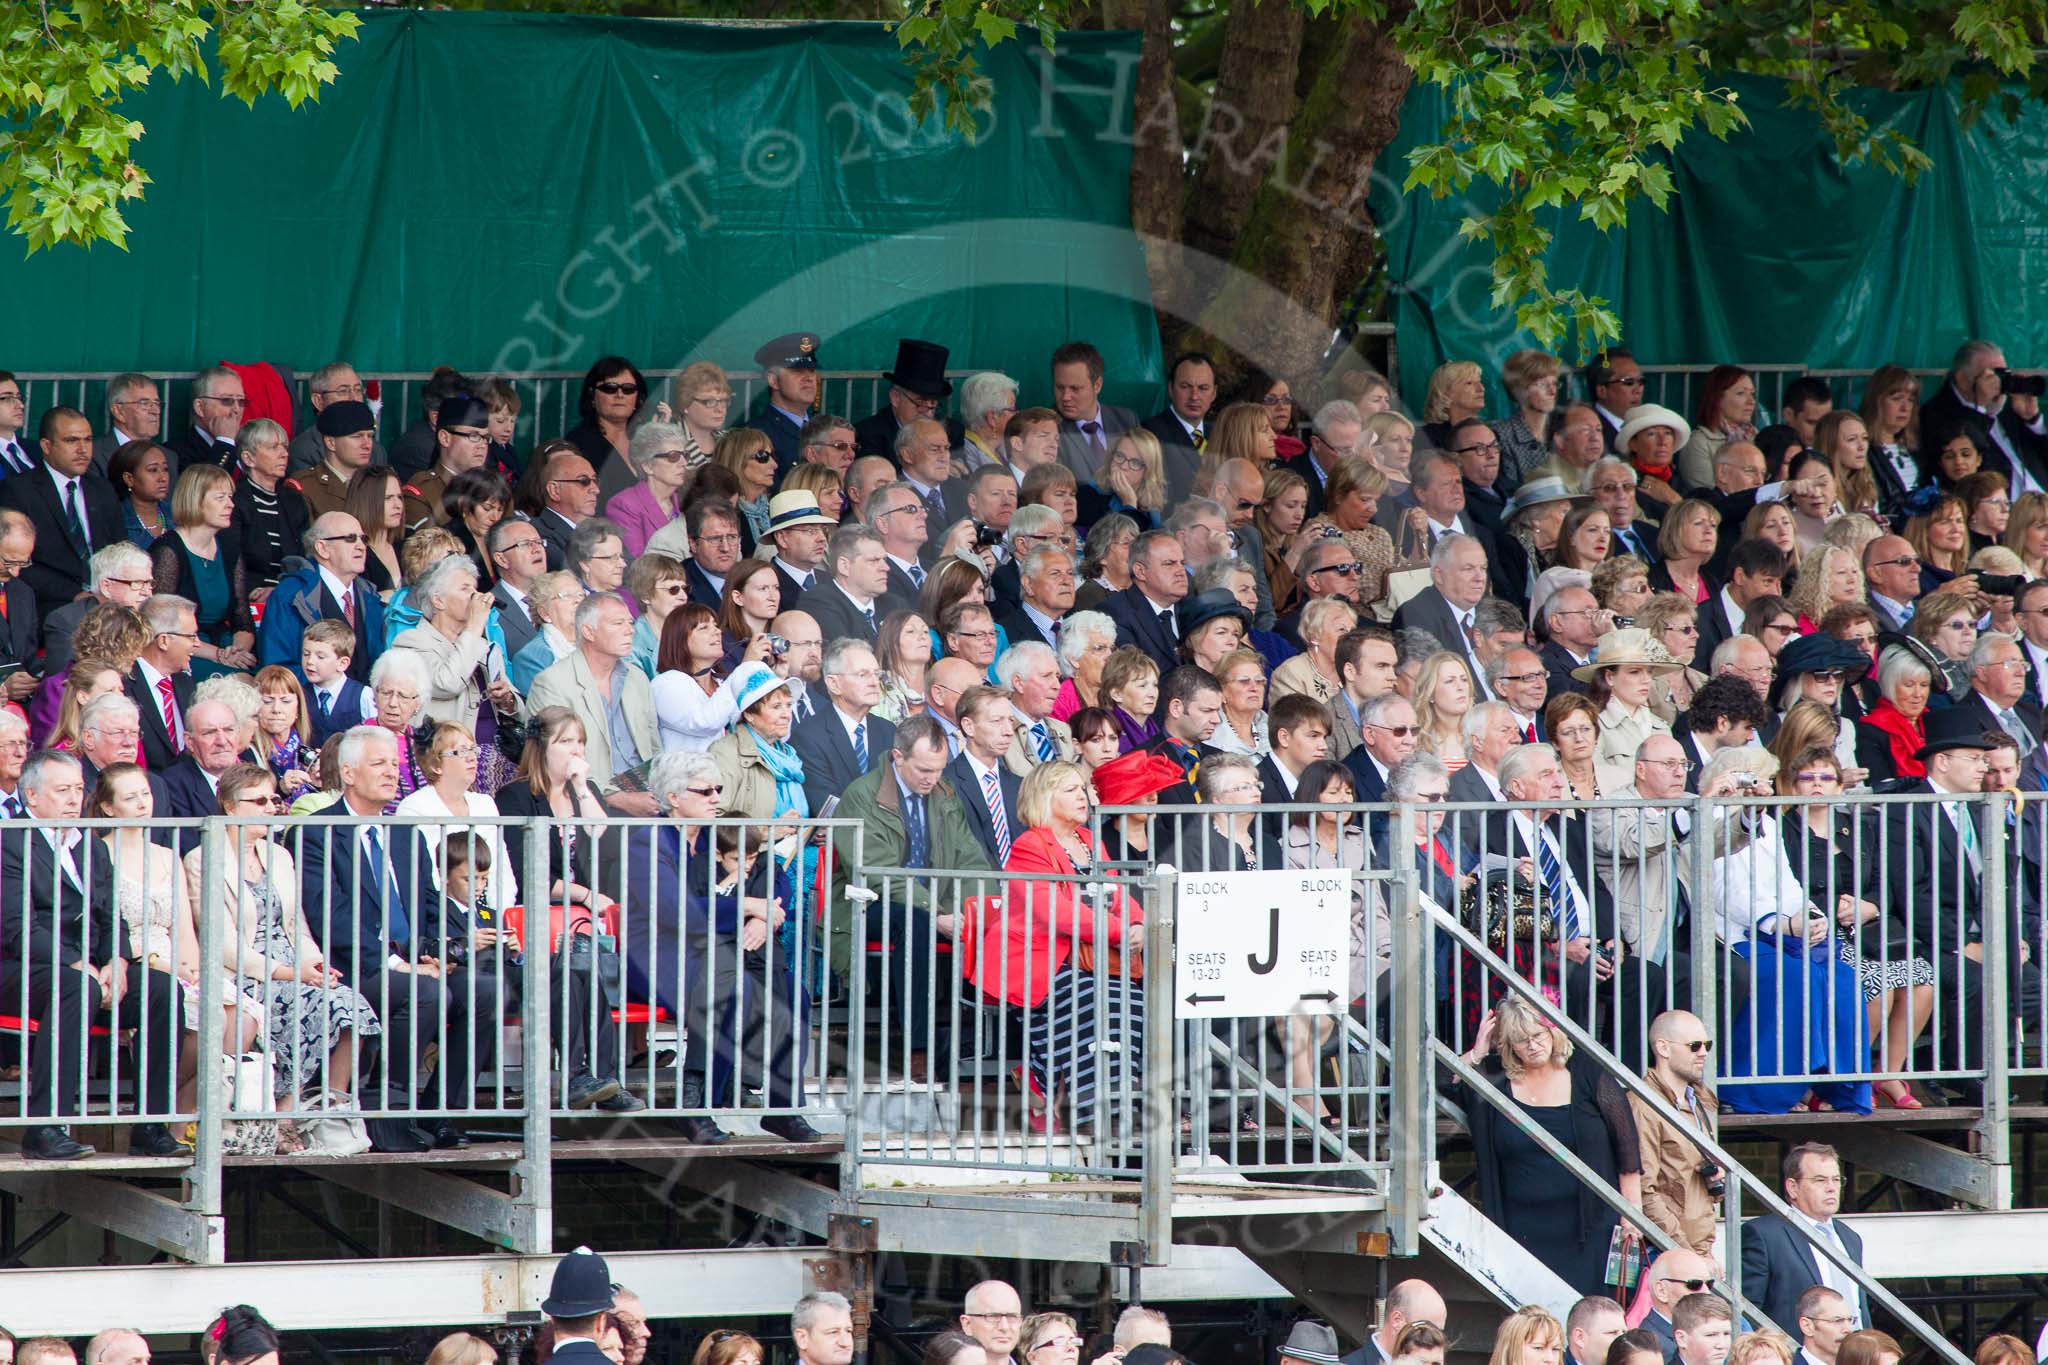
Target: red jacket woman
column 1034, row 936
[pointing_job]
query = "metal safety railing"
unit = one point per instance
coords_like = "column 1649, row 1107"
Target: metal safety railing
column 548, row 399
column 1679, row 387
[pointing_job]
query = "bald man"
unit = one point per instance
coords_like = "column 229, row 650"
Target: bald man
column 1676, row 1196
column 1674, row 1275
column 1408, row 1301
column 944, row 681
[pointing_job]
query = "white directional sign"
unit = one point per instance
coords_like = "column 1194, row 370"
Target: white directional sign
column 1262, row 943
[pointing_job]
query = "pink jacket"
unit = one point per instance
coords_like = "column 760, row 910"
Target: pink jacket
column 639, row 516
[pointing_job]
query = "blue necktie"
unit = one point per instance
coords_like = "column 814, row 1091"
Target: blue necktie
column 1046, row 752
column 1555, row 887
column 869, row 612
column 916, row 573
column 920, row 844
column 397, row 926
column 860, row 744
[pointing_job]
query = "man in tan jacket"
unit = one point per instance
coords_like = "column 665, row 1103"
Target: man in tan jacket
column 1677, row 1196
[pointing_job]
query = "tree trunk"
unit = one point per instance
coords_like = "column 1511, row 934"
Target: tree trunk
column 1243, row 129
column 1274, row 306
column 1156, row 175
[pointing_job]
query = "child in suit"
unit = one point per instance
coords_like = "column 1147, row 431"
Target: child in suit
column 339, row 703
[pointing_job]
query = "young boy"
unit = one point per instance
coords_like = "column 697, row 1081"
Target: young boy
column 339, row 703
column 468, row 920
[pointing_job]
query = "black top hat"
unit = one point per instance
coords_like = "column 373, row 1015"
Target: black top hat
column 921, row 368
column 1953, row 727
column 796, row 351
column 1192, row 613
column 582, row 1286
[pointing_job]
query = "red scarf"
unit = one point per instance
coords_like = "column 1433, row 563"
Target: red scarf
column 1906, row 736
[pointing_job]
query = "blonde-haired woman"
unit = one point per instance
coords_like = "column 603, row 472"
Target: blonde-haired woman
column 1762, row 1348
column 1132, row 480
column 1844, row 442
column 1832, row 577
column 1443, row 694
column 749, row 456
column 200, row 560
column 1521, row 1188
column 462, row 1348
column 1528, row 1336
column 1457, row 391
column 703, row 397
column 1323, row 623
column 2026, row 532
column 1672, row 622
column 1389, row 444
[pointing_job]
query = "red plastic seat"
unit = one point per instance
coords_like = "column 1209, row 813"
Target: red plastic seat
column 10, row 1023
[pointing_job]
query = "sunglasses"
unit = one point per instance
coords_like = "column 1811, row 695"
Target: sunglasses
column 1397, row 731
column 762, row 456
column 1341, row 570
column 613, row 386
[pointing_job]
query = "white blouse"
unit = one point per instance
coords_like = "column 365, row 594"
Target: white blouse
column 1754, row 889
column 691, row 719
column 426, row 803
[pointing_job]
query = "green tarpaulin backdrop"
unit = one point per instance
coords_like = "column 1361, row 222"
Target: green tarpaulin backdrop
column 528, row 192
column 1772, row 251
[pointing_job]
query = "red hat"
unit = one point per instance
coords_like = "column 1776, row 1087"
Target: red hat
column 1130, row 778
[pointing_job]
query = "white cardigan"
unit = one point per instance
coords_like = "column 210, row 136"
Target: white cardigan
column 426, row 804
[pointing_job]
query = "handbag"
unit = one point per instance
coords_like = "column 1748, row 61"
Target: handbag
column 331, row 1126
column 1112, row 957
column 1503, row 913
column 248, row 1082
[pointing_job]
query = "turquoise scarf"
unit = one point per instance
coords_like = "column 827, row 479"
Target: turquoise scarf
column 788, row 771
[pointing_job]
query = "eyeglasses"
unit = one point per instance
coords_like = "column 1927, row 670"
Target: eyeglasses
column 715, row 789
column 228, row 400
column 713, row 400
column 509, row 546
column 1674, row 765
column 341, row 391
column 996, row 1317
column 1397, row 731
column 1614, row 488
column 1522, row 677
column 1960, row 623
column 347, row 538
column 1700, row 1045
column 1492, row 446
column 1820, row 775
column 461, row 751
column 582, row 481
column 393, row 694
column 974, row 635
column 16, row 564
column 1341, row 570
column 615, row 386
column 1577, row 611
column 147, row 404
column 615, row 554
column 464, row 434
column 729, row 538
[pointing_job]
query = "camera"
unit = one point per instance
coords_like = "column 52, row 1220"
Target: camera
column 2001, row 584
column 1715, row 1179
column 777, row 646
column 986, row 535
column 1748, row 782
column 2013, row 382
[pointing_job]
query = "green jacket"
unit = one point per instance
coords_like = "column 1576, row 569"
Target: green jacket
column 876, row 801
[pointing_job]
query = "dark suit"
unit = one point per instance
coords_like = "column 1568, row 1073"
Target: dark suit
column 1077, row 449
column 973, row 799
column 1430, row 610
column 191, row 447
column 1304, row 464
column 1177, row 453
column 702, row 590
column 1714, row 628
column 1371, row 786
column 1641, row 541
column 191, row 796
column 22, row 625
column 875, row 434
column 555, row 530
column 58, row 572
column 902, row 594
column 1976, row 704
column 1558, row 663
column 836, row 615
column 159, row 749
column 1138, row 623
column 1019, row 626
column 513, row 619
column 830, row 765
column 1779, row 1264
column 54, row 920
column 357, row 907
column 1659, row 1326
column 783, row 435
column 790, row 589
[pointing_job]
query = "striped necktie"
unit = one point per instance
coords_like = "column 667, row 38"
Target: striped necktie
column 1555, row 886
column 860, row 744
column 1046, row 751
column 992, row 789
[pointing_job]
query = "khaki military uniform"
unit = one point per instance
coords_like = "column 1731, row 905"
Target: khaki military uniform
column 324, row 490
column 423, row 495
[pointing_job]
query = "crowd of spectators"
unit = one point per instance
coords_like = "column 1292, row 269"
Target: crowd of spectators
column 968, row 630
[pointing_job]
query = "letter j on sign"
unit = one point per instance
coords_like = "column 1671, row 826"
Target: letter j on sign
column 1262, row 943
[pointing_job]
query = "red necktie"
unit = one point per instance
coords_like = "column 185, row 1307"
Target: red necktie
column 348, row 605
column 170, row 700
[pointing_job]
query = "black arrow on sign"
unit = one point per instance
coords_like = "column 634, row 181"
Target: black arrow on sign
column 1327, row 997
column 1211, row 999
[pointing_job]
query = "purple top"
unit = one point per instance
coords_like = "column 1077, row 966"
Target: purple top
column 639, row 516
column 1131, row 734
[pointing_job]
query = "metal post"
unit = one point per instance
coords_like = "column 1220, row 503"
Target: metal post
column 1161, row 1110
column 203, row 1192
column 533, row 1197
column 858, row 898
column 1993, row 1127
column 1705, row 965
column 1412, row 1141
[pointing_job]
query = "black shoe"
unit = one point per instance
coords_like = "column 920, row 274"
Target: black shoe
column 704, row 1132
column 154, row 1139
column 587, row 1090
column 624, row 1102
column 47, row 1142
column 444, row 1133
column 791, row 1128
column 397, row 1135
